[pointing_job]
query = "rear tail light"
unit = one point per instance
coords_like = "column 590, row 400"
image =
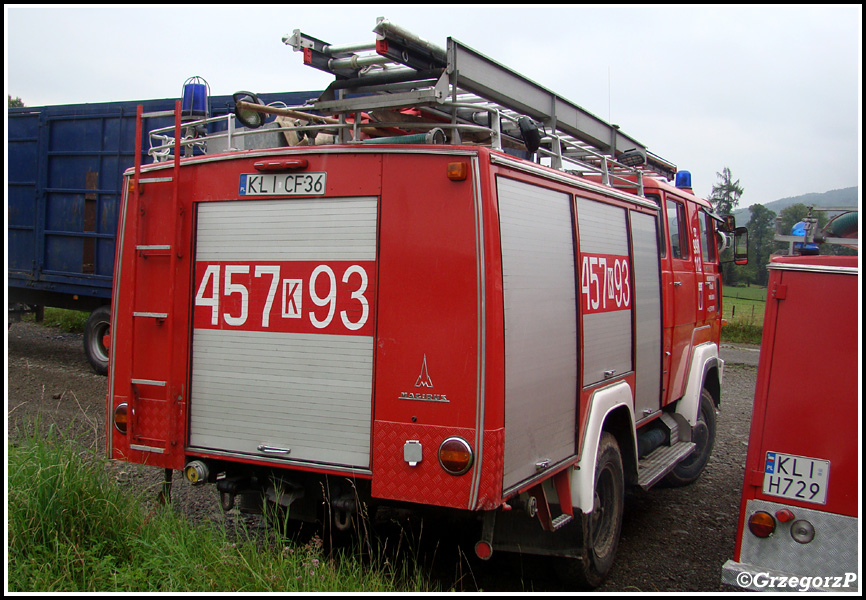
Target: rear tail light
column 762, row 524
column 121, row 417
column 455, row 456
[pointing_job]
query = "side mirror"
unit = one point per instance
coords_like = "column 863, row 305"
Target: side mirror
column 730, row 223
column 741, row 246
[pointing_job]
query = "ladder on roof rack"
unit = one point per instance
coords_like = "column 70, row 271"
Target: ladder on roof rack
column 466, row 92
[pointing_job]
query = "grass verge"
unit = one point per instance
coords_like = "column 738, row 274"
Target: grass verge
column 71, row 528
column 743, row 309
column 69, row 321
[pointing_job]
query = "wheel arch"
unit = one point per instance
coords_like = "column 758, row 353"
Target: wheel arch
column 620, row 423
column 706, row 371
column 611, row 409
column 713, row 384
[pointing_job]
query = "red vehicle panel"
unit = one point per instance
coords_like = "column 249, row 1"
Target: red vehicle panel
column 813, row 363
column 800, row 501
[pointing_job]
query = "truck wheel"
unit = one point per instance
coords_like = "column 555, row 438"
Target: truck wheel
column 704, row 435
column 602, row 527
column 97, row 326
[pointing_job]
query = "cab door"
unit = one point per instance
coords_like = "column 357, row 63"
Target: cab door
column 680, row 297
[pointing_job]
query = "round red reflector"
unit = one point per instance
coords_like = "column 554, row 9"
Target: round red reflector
column 762, row 524
column 784, row 515
column 120, row 417
column 483, row 550
column 455, row 456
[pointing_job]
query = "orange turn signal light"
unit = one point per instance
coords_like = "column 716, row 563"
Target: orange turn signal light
column 455, row 456
column 762, row 524
column 457, row 171
column 121, row 417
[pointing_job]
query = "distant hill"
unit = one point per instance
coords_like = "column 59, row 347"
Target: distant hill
column 843, row 197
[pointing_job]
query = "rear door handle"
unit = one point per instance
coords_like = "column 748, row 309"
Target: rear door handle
column 273, row 450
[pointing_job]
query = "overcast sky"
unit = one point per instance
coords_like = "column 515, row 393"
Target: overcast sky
column 772, row 92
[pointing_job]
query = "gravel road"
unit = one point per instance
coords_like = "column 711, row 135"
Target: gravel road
column 672, row 539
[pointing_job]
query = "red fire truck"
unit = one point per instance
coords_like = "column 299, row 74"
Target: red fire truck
column 798, row 526
column 444, row 287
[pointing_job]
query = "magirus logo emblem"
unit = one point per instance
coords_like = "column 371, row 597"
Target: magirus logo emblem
column 424, row 378
column 423, row 381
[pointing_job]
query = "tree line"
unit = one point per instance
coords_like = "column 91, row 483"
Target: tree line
column 763, row 225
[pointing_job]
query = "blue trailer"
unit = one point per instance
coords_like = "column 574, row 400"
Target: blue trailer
column 65, row 166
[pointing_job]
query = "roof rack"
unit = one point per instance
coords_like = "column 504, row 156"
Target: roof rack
column 400, row 88
column 473, row 98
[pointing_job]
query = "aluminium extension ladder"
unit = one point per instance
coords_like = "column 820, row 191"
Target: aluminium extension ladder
column 472, row 97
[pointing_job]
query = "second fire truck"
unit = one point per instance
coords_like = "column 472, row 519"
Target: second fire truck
column 443, row 286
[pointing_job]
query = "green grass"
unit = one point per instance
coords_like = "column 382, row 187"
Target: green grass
column 70, row 321
column 750, row 292
column 71, row 528
column 743, row 308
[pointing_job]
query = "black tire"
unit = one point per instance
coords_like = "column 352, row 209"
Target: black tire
column 227, row 501
column 98, row 325
column 704, row 435
column 602, row 527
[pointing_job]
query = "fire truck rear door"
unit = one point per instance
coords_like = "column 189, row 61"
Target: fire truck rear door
column 282, row 345
column 810, row 424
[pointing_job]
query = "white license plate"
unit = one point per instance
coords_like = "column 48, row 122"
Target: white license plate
column 796, row 477
column 282, row 184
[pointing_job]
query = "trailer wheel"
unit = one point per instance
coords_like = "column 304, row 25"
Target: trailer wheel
column 97, row 327
column 601, row 528
column 704, row 435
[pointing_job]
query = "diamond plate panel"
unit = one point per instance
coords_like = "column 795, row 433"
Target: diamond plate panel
column 427, row 482
column 833, row 552
column 153, row 435
column 493, row 464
